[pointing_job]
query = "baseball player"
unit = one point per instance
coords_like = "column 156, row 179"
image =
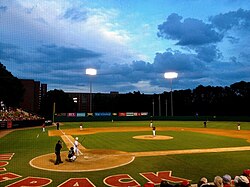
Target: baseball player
column 238, row 126
column 43, row 127
column 154, row 129
column 76, row 143
column 71, row 154
column 151, row 124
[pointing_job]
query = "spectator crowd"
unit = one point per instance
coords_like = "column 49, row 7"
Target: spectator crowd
column 13, row 114
column 226, row 180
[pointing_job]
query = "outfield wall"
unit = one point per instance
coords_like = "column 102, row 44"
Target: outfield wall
column 20, row 124
column 148, row 118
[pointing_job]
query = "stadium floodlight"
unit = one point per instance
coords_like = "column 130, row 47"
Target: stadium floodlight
column 75, row 99
column 171, row 76
column 91, row 72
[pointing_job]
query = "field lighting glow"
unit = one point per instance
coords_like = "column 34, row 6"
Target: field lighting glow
column 170, row 75
column 91, row 71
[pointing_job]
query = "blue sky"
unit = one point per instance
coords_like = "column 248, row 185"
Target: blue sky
column 131, row 43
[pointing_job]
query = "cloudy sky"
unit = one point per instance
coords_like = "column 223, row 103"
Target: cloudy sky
column 131, row 43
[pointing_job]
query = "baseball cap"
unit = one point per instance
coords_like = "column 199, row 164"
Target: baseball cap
column 226, row 178
column 76, row 138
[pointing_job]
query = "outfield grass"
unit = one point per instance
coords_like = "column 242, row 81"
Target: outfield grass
column 182, row 140
column 26, row 144
column 193, row 124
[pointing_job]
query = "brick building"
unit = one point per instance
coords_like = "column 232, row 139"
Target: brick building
column 34, row 91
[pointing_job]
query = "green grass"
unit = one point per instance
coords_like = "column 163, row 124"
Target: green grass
column 181, row 140
column 190, row 124
column 26, row 145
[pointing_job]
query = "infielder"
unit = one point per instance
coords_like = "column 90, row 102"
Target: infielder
column 238, row 126
column 154, row 129
column 76, row 143
column 151, row 124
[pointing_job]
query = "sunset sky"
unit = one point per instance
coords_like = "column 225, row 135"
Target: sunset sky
column 131, row 43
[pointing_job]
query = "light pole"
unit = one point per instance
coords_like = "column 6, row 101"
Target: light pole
column 153, row 103
column 90, row 72
column 166, row 107
column 54, row 111
column 171, row 76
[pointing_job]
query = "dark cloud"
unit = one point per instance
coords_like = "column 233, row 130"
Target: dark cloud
column 142, row 66
column 189, row 32
column 75, row 14
column 3, row 8
column 239, row 19
column 60, row 54
column 7, row 51
column 208, row 53
column 245, row 55
column 176, row 61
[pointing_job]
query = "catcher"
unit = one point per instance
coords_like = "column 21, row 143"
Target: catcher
column 71, row 154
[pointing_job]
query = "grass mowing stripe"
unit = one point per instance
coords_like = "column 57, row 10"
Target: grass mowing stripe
column 193, row 124
column 181, row 140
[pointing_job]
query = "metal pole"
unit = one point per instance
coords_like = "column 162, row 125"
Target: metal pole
column 90, row 97
column 153, row 103
column 172, row 107
column 166, row 107
column 54, row 110
column 159, row 105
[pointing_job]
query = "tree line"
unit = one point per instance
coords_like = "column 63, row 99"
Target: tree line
column 203, row 100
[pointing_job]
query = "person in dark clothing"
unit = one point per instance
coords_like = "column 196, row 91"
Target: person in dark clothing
column 205, row 124
column 165, row 183
column 57, row 126
column 58, row 148
column 71, row 155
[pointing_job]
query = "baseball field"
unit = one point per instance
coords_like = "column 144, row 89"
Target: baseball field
column 123, row 153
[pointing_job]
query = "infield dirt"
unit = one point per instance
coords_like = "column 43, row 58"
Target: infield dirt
column 93, row 160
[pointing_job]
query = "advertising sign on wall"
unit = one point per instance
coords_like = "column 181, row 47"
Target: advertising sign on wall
column 3, row 124
column 103, row 114
column 122, row 114
column 71, row 115
column 80, row 114
column 129, row 113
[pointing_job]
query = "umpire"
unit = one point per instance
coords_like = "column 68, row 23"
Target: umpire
column 58, row 148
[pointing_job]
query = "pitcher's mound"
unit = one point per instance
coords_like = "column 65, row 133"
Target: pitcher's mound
column 151, row 137
column 91, row 160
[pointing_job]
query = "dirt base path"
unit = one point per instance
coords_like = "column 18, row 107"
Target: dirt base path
column 94, row 160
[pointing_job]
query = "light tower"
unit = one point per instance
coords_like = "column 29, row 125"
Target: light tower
column 171, row 76
column 90, row 72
